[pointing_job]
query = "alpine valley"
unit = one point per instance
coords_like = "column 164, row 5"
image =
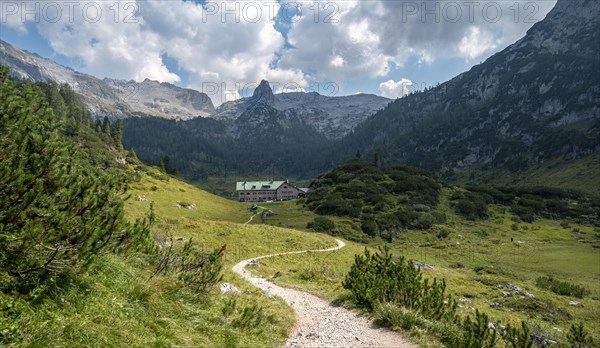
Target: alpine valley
column 465, row 215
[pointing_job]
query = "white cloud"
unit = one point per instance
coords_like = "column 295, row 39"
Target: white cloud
column 336, row 61
column 107, row 41
column 330, row 40
column 475, row 43
column 395, row 89
column 371, row 36
column 127, row 40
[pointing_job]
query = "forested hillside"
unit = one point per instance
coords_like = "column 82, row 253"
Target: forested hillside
column 384, row 201
column 262, row 141
column 532, row 103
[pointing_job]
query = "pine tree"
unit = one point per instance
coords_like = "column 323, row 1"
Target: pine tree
column 56, row 211
column 98, row 126
column 57, row 103
column 132, row 156
column 117, row 133
column 106, row 125
column 161, row 165
column 579, row 337
column 376, row 160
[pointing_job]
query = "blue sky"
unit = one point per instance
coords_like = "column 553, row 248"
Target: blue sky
column 358, row 46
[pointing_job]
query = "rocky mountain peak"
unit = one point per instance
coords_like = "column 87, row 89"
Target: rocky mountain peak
column 263, row 93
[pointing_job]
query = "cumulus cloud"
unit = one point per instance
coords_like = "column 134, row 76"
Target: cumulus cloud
column 226, row 46
column 223, row 46
column 475, row 43
column 372, row 37
column 395, row 89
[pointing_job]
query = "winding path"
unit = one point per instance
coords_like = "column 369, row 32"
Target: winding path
column 250, row 220
column 321, row 324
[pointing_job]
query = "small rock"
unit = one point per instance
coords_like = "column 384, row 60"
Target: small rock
column 542, row 341
column 141, row 198
column 505, row 294
column 466, row 300
column 423, row 265
column 495, row 305
column 226, row 287
column 515, row 289
column 573, row 303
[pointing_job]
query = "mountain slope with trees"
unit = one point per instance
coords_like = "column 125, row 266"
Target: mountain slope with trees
column 535, row 101
column 261, row 141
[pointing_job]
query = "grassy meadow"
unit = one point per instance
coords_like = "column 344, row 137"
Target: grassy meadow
column 119, row 302
column 475, row 257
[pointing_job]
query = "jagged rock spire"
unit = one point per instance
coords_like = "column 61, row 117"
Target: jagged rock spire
column 263, row 93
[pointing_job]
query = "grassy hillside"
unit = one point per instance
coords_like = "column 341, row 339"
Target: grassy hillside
column 580, row 174
column 209, row 222
column 119, row 301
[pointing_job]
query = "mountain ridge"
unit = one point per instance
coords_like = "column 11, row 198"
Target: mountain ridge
column 535, row 100
column 333, row 116
column 110, row 97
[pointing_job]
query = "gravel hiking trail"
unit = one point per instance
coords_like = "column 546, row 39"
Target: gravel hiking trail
column 318, row 322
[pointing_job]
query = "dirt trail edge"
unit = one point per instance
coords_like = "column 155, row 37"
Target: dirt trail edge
column 321, row 324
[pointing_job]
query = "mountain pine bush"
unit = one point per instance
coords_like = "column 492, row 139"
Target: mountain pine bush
column 380, row 278
column 56, row 210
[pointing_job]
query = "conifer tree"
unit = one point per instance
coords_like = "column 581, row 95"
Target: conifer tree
column 56, row 210
column 106, row 125
column 98, row 126
column 117, row 133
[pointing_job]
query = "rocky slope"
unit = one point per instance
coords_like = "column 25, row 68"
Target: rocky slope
column 537, row 99
column 109, row 97
column 331, row 116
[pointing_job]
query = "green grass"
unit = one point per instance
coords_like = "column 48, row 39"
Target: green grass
column 290, row 214
column 117, row 304
column 580, row 174
column 165, row 192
